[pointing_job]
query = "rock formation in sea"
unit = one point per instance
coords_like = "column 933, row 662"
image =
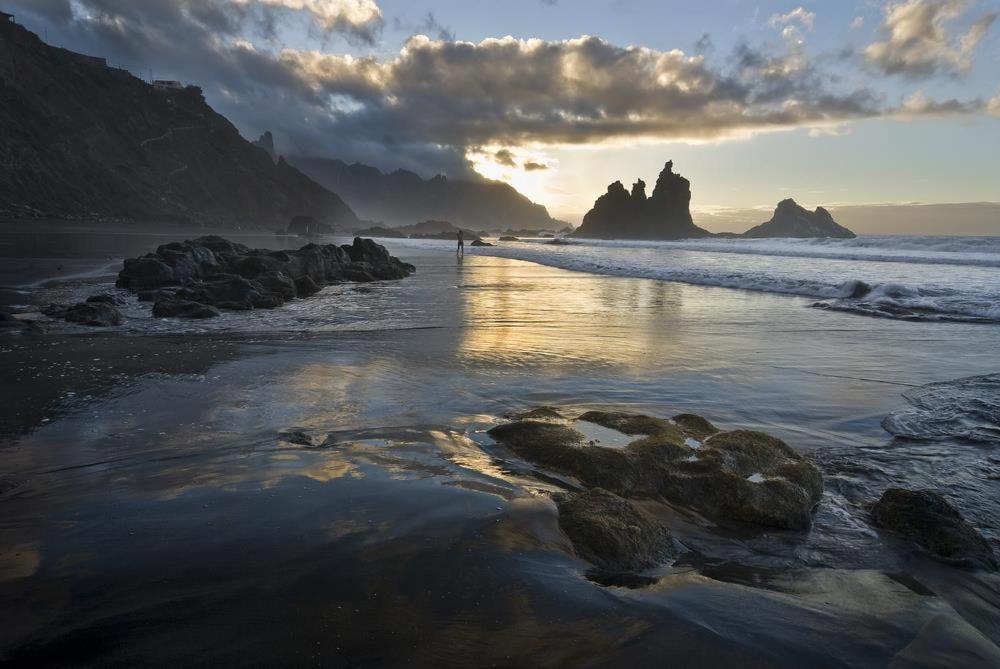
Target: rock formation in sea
column 792, row 220
column 666, row 214
column 82, row 140
column 194, row 279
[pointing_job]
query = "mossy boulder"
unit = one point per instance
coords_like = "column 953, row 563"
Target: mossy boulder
column 935, row 525
column 741, row 476
column 630, row 423
column 746, row 476
column 563, row 449
column 538, row 413
column 613, row 533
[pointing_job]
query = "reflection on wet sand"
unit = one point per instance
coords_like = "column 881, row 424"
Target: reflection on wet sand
column 336, row 494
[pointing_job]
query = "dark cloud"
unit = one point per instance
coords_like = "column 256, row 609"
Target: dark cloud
column 504, row 157
column 428, row 106
column 916, row 40
column 534, row 167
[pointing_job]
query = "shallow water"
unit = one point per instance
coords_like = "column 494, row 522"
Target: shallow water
column 159, row 516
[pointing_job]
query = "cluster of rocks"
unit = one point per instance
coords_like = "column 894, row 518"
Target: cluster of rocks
column 740, row 476
column 201, row 277
column 197, row 278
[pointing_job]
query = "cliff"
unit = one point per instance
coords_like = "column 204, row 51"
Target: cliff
column 402, row 197
column 666, row 214
column 83, row 140
column 792, row 220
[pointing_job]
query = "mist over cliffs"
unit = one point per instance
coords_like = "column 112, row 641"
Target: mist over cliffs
column 666, row 214
column 403, row 197
column 81, row 140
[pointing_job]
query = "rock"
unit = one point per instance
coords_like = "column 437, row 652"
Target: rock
column 740, row 476
column 612, row 532
column 746, row 476
column 214, row 271
column 539, row 413
column 792, row 220
column 854, row 289
column 156, row 294
column 144, row 273
column 695, row 426
column 10, row 324
column 184, row 309
column 564, row 450
column 230, row 290
column 278, row 284
column 306, row 287
column 631, row 424
column 509, row 238
column 95, row 314
column 104, row 299
column 480, row 242
column 927, row 518
column 665, row 214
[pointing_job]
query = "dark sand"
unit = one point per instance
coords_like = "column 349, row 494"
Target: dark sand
column 153, row 513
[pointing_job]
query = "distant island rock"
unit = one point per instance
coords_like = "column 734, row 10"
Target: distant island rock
column 666, row 214
column 793, row 220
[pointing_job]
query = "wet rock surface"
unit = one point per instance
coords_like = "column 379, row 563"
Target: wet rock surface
column 215, row 272
column 739, row 476
column 933, row 524
column 93, row 313
column 613, row 533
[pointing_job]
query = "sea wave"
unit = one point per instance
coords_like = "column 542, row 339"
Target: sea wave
column 932, row 250
column 967, row 408
column 906, row 290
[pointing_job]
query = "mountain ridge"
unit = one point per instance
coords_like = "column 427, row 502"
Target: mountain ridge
column 83, row 140
column 403, row 197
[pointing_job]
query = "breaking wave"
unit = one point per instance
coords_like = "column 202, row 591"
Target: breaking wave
column 890, row 277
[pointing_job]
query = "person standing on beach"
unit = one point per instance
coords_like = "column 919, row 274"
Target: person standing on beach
column 461, row 243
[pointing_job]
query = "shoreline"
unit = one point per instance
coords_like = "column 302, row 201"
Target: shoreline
column 337, row 483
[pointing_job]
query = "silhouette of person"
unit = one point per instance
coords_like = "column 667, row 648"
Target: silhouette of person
column 461, row 243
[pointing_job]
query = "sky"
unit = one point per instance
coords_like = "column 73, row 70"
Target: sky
column 833, row 103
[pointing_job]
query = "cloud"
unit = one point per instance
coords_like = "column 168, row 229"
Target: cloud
column 360, row 17
column 436, row 102
column 857, row 23
column 504, row 157
column 920, row 105
column 993, row 106
column 917, row 42
column 534, row 167
column 799, row 15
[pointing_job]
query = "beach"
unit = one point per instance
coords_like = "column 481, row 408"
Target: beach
column 314, row 483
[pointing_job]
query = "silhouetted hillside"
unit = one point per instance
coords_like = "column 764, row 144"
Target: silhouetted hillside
column 402, row 197
column 81, row 140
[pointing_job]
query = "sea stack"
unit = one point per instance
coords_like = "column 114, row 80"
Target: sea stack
column 666, row 214
column 792, row 220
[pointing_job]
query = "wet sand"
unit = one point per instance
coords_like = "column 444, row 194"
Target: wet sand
column 156, row 512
